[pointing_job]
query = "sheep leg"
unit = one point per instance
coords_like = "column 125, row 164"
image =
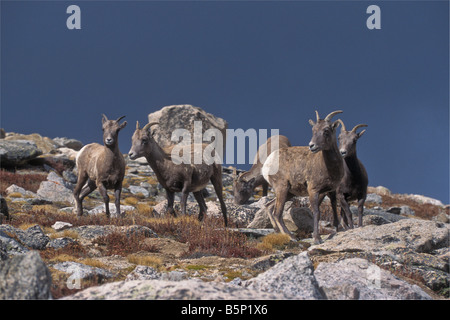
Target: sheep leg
column 360, row 211
column 216, row 180
column 104, row 194
column 87, row 189
column 201, row 203
column 281, row 197
column 82, row 178
column 347, row 211
column 332, row 196
column 170, row 199
column 265, row 187
column 314, row 202
column 117, row 193
column 270, row 206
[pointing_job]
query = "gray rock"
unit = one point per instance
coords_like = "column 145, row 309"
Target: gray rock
column 59, row 243
column 143, row 273
column 293, row 277
column 60, row 225
column 112, row 209
column 358, row 279
column 16, row 189
column 417, row 235
column 183, row 117
column 295, row 217
column 374, row 198
column 82, row 271
column 17, row 152
column 33, row 238
column 139, row 190
column 56, row 189
column 171, row 290
column 403, row 210
column 266, row 262
column 9, row 244
column 25, row 277
column 68, row 143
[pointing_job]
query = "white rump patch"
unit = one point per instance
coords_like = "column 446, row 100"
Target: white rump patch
column 271, row 165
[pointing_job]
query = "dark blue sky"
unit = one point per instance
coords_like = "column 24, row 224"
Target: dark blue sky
column 257, row 64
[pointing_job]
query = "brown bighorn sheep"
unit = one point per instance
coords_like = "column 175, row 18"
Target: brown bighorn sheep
column 181, row 177
column 354, row 183
column 102, row 167
column 245, row 183
column 314, row 171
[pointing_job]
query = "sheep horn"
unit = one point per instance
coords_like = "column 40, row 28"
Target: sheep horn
column 120, row 118
column 332, row 114
column 104, row 118
column 148, row 125
column 317, row 116
column 358, row 126
column 342, row 124
column 137, row 125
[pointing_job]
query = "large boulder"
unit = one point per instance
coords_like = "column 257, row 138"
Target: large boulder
column 16, row 153
column 55, row 189
column 183, row 117
column 293, row 277
column 44, row 144
column 358, row 279
column 296, row 217
column 171, row 290
column 24, row 277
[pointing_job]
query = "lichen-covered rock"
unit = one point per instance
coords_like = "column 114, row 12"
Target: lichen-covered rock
column 183, row 117
column 358, row 279
column 24, row 277
column 17, row 152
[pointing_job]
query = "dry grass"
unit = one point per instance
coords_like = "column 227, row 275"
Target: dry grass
column 278, row 241
column 145, row 260
column 28, row 181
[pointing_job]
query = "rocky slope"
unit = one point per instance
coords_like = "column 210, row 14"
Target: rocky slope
column 402, row 252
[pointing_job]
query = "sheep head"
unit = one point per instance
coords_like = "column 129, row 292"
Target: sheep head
column 141, row 141
column 111, row 130
column 348, row 139
column 243, row 188
column 323, row 131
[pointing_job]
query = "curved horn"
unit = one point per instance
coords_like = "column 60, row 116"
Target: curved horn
column 137, row 125
column 342, row 124
column 120, row 118
column 317, row 116
column 104, row 118
column 148, row 125
column 358, row 126
column 332, row 114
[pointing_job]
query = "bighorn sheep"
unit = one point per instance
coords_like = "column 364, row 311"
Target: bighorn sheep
column 245, row 183
column 314, row 171
column 102, row 167
column 181, row 177
column 354, row 183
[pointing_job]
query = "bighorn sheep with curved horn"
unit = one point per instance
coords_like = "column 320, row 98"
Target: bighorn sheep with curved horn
column 174, row 177
column 314, row 171
column 102, row 167
column 354, row 183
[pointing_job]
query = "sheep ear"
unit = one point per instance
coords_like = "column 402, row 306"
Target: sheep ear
column 361, row 133
column 311, row 122
column 335, row 124
column 123, row 125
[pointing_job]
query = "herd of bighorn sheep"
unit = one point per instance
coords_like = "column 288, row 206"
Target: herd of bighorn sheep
column 320, row 169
